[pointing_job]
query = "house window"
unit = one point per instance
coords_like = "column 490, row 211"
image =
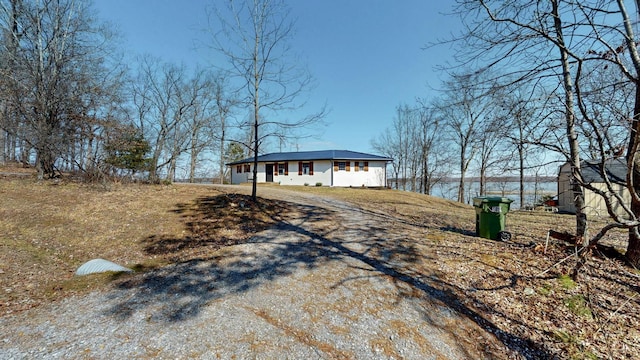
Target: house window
column 247, row 168
column 365, row 166
column 359, row 166
column 283, row 169
column 305, row 168
column 342, row 166
column 239, row 169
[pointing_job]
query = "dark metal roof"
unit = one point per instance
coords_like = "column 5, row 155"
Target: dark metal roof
column 616, row 170
column 314, row 155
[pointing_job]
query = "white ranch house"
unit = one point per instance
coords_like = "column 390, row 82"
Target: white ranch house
column 340, row 168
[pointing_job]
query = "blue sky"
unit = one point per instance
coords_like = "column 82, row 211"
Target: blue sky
column 365, row 55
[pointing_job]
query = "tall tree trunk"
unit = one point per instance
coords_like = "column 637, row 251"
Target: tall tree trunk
column 483, row 179
column 45, row 164
column 426, row 188
column 574, row 149
column 633, row 247
column 463, row 170
column 25, row 149
column 256, row 117
column 89, row 159
column 3, row 146
column 461, row 189
column 155, row 158
column 254, row 184
column 521, row 170
column 193, row 155
column 171, row 173
column 222, row 139
column 632, row 254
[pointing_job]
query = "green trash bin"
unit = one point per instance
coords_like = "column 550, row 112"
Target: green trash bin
column 491, row 214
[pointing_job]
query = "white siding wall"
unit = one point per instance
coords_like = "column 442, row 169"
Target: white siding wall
column 594, row 203
column 596, row 206
column 242, row 177
column 375, row 176
column 261, row 174
column 323, row 172
column 565, row 193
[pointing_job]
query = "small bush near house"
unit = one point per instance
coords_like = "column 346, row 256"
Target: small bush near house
column 306, row 184
column 318, row 184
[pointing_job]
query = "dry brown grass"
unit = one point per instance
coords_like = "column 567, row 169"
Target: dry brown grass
column 517, row 286
column 48, row 229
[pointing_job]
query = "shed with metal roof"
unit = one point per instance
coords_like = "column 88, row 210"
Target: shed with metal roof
column 591, row 170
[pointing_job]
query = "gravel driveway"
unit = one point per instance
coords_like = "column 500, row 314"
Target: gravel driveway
column 330, row 284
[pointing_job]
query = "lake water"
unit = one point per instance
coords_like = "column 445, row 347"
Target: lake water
column 534, row 191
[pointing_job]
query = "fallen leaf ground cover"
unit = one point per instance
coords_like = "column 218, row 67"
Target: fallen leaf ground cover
column 521, row 287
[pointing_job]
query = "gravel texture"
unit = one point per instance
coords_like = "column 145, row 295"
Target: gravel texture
column 309, row 288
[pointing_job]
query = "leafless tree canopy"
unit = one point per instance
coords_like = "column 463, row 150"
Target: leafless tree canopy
column 530, row 79
column 552, row 77
column 255, row 37
column 58, row 88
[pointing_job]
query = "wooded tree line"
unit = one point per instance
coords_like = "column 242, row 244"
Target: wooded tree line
column 68, row 101
column 553, row 77
column 530, row 78
column 468, row 127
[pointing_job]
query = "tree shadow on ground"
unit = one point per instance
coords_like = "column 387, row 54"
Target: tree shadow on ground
column 458, row 230
column 443, row 293
column 214, row 222
column 305, row 238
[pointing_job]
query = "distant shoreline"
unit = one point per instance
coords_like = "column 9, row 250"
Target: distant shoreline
column 493, row 179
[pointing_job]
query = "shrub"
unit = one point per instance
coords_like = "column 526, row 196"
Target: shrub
column 318, row 184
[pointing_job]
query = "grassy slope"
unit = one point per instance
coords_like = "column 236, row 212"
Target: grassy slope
column 47, row 230
column 520, row 287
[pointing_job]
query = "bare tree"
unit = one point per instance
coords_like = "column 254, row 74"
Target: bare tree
column 200, row 91
column 558, row 41
column 434, row 158
column 397, row 142
column 490, row 147
column 255, row 37
column 462, row 109
column 414, row 141
column 225, row 102
column 519, row 112
column 403, row 130
column 55, row 55
column 162, row 110
column 386, row 144
column 514, row 31
column 584, row 36
column 613, row 54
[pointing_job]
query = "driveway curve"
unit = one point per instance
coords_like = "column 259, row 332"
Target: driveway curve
column 334, row 283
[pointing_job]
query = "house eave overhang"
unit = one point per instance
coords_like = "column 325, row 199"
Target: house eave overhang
column 329, row 155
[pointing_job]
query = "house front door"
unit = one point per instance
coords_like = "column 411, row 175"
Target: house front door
column 269, row 172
